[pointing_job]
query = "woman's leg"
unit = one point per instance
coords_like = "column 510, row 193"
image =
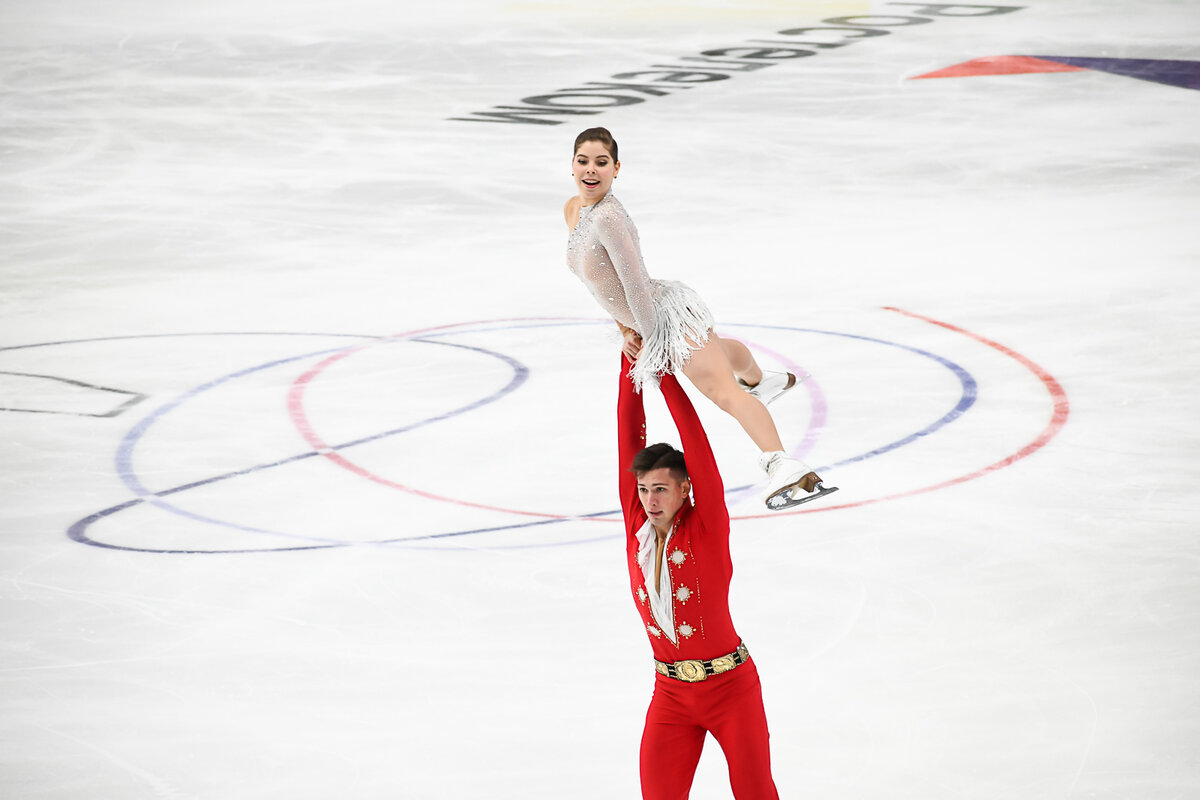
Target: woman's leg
column 741, row 359
column 709, row 371
column 766, row 386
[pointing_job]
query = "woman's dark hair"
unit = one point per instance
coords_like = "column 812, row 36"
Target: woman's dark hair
column 658, row 456
column 600, row 135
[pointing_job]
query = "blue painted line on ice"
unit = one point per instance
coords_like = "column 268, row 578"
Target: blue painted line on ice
column 125, row 468
column 966, row 399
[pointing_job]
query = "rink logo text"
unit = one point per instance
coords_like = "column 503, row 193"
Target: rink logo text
column 1184, row 74
column 659, row 80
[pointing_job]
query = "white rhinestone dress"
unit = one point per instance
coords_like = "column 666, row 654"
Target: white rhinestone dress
column 604, row 252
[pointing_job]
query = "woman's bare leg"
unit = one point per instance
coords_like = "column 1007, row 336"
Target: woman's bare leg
column 710, row 371
column 740, row 359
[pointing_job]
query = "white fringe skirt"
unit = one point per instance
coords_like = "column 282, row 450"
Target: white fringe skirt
column 682, row 323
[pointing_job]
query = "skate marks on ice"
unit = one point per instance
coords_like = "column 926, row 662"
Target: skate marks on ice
column 282, row 446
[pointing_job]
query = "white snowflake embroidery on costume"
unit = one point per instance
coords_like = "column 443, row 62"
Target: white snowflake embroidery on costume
column 682, row 594
column 654, row 630
column 641, row 593
column 677, row 557
column 686, row 630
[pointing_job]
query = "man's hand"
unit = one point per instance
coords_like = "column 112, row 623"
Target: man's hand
column 632, row 345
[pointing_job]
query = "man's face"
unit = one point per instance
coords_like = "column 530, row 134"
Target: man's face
column 662, row 495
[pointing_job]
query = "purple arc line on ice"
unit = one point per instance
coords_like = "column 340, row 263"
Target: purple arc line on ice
column 816, row 398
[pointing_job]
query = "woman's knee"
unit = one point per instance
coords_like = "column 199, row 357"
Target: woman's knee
column 730, row 398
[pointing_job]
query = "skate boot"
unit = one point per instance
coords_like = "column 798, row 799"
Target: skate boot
column 772, row 386
column 790, row 481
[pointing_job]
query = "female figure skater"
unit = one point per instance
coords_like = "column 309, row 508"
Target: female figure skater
column 666, row 326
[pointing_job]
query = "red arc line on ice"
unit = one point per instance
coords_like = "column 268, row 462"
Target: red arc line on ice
column 1062, row 409
column 303, row 425
column 295, row 403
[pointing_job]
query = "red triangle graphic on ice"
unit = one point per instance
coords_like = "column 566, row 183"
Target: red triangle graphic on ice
column 1001, row 65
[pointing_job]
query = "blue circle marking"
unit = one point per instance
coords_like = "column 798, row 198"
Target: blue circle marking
column 125, row 468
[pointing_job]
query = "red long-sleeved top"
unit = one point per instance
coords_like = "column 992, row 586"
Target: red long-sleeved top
column 698, row 549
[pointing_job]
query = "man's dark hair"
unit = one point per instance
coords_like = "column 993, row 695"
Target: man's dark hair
column 659, row 456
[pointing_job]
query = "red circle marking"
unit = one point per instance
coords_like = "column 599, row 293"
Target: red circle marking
column 300, row 420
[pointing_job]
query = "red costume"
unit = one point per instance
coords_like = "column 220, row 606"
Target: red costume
column 727, row 701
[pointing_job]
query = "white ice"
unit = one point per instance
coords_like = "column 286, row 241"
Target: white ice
column 260, row 295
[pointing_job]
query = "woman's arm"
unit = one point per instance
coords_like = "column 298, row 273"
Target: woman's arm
column 619, row 238
column 708, row 488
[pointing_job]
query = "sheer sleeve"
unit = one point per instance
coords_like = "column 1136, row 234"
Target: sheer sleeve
column 619, row 238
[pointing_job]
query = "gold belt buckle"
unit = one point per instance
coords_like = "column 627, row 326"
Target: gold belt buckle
column 723, row 664
column 690, row 671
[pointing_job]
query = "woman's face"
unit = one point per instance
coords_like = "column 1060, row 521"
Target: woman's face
column 594, row 170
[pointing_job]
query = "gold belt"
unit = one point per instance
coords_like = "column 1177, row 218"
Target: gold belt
column 694, row 671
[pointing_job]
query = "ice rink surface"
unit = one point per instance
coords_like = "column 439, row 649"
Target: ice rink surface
column 308, row 475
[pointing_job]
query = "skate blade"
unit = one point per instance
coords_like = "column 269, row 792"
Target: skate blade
column 785, row 500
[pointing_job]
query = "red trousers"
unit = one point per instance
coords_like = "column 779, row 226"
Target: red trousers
column 730, row 707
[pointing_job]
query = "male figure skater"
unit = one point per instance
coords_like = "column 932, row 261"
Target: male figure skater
column 679, row 571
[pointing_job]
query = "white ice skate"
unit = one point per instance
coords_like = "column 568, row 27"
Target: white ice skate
column 790, row 481
column 772, row 386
